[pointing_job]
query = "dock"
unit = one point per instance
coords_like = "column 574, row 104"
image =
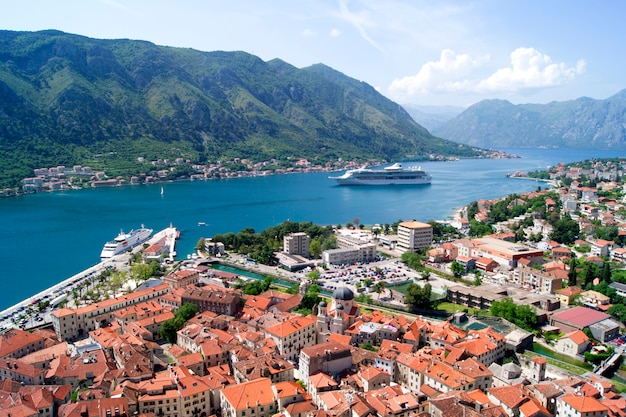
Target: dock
column 65, row 287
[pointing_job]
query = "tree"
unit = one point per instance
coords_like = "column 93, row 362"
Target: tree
column 170, row 327
column 356, row 221
column 572, row 275
column 605, row 273
column 418, row 297
column 200, row 244
column 311, row 298
column 477, row 278
column 589, row 273
column 186, row 311
column 565, row 230
column 618, row 311
column 457, row 269
column 379, row 287
column 523, row 316
column 315, row 249
column 140, row 272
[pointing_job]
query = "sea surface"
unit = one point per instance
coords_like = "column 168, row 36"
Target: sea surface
column 48, row 237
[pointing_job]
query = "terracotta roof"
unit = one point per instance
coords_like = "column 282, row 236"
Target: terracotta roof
column 286, row 328
column 577, row 337
column 15, row 339
column 584, row 404
column 242, row 396
column 580, row 316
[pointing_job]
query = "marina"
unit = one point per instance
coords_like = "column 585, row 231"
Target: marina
column 60, row 292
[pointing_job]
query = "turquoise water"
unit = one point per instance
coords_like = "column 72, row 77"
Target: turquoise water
column 48, row 237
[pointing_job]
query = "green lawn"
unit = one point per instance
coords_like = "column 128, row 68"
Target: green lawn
column 454, row 308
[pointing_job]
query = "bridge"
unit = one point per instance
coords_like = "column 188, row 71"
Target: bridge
column 609, row 362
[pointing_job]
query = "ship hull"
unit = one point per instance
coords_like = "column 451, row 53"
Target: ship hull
column 393, row 175
column 124, row 242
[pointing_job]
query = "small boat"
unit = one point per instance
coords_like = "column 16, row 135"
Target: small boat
column 201, row 224
column 162, row 191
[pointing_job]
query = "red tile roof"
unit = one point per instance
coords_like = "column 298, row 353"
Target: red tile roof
column 580, row 316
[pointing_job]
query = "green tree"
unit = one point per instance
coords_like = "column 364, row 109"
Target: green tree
column 200, row 244
column 572, row 275
column 140, row 272
column 311, row 298
column 618, row 311
column 477, row 278
column 605, row 273
column 379, row 287
column 418, row 297
column 313, row 275
column 170, row 327
column 457, row 269
column 315, row 249
column 523, row 316
column 186, row 311
column 565, row 230
column 589, row 273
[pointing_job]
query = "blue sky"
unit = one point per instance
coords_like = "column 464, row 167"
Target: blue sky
column 435, row 52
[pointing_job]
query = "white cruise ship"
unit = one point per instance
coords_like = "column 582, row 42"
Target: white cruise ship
column 391, row 175
column 125, row 241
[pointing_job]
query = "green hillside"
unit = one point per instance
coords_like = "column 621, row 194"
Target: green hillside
column 67, row 99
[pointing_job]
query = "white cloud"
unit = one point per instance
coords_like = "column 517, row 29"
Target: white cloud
column 335, row 33
column 444, row 75
column 308, row 33
column 360, row 20
column 530, row 69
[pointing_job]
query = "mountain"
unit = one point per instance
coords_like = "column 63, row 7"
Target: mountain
column 431, row 117
column 581, row 123
column 68, row 99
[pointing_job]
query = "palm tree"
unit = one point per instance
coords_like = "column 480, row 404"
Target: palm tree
column 379, row 287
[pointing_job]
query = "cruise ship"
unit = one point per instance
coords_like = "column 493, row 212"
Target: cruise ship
column 391, row 175
column 125, row 241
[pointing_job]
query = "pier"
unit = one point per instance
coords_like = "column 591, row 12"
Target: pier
column 65, row 287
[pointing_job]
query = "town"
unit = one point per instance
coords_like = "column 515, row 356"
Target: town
column 187, row 339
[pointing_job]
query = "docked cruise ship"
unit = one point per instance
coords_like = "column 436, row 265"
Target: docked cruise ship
column 391, row 175
column 125, row 241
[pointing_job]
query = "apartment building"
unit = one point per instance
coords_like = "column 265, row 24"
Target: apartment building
column 413, row 236
column 70, row 324
column 297, row 244
column 293, row 335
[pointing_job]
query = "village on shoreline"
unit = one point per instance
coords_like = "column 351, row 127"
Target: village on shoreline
column 344, row 355
column 60, row 178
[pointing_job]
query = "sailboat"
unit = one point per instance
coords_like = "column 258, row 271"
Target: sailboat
column 161, row 190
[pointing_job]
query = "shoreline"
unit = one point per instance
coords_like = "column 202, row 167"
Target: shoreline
column 19, row 192
column 65, row 286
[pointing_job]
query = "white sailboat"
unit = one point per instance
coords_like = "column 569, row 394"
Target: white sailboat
column 161, row 190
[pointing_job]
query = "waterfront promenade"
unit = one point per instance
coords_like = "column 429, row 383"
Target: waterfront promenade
column 65, row 287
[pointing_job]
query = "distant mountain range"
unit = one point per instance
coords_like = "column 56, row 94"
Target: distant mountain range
column 68, row 99
column 432, row 117
column 581, row 123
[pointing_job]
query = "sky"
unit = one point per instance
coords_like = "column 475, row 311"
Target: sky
column 420, row 52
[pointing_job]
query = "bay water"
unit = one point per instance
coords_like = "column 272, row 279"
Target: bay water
column 48, row 237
